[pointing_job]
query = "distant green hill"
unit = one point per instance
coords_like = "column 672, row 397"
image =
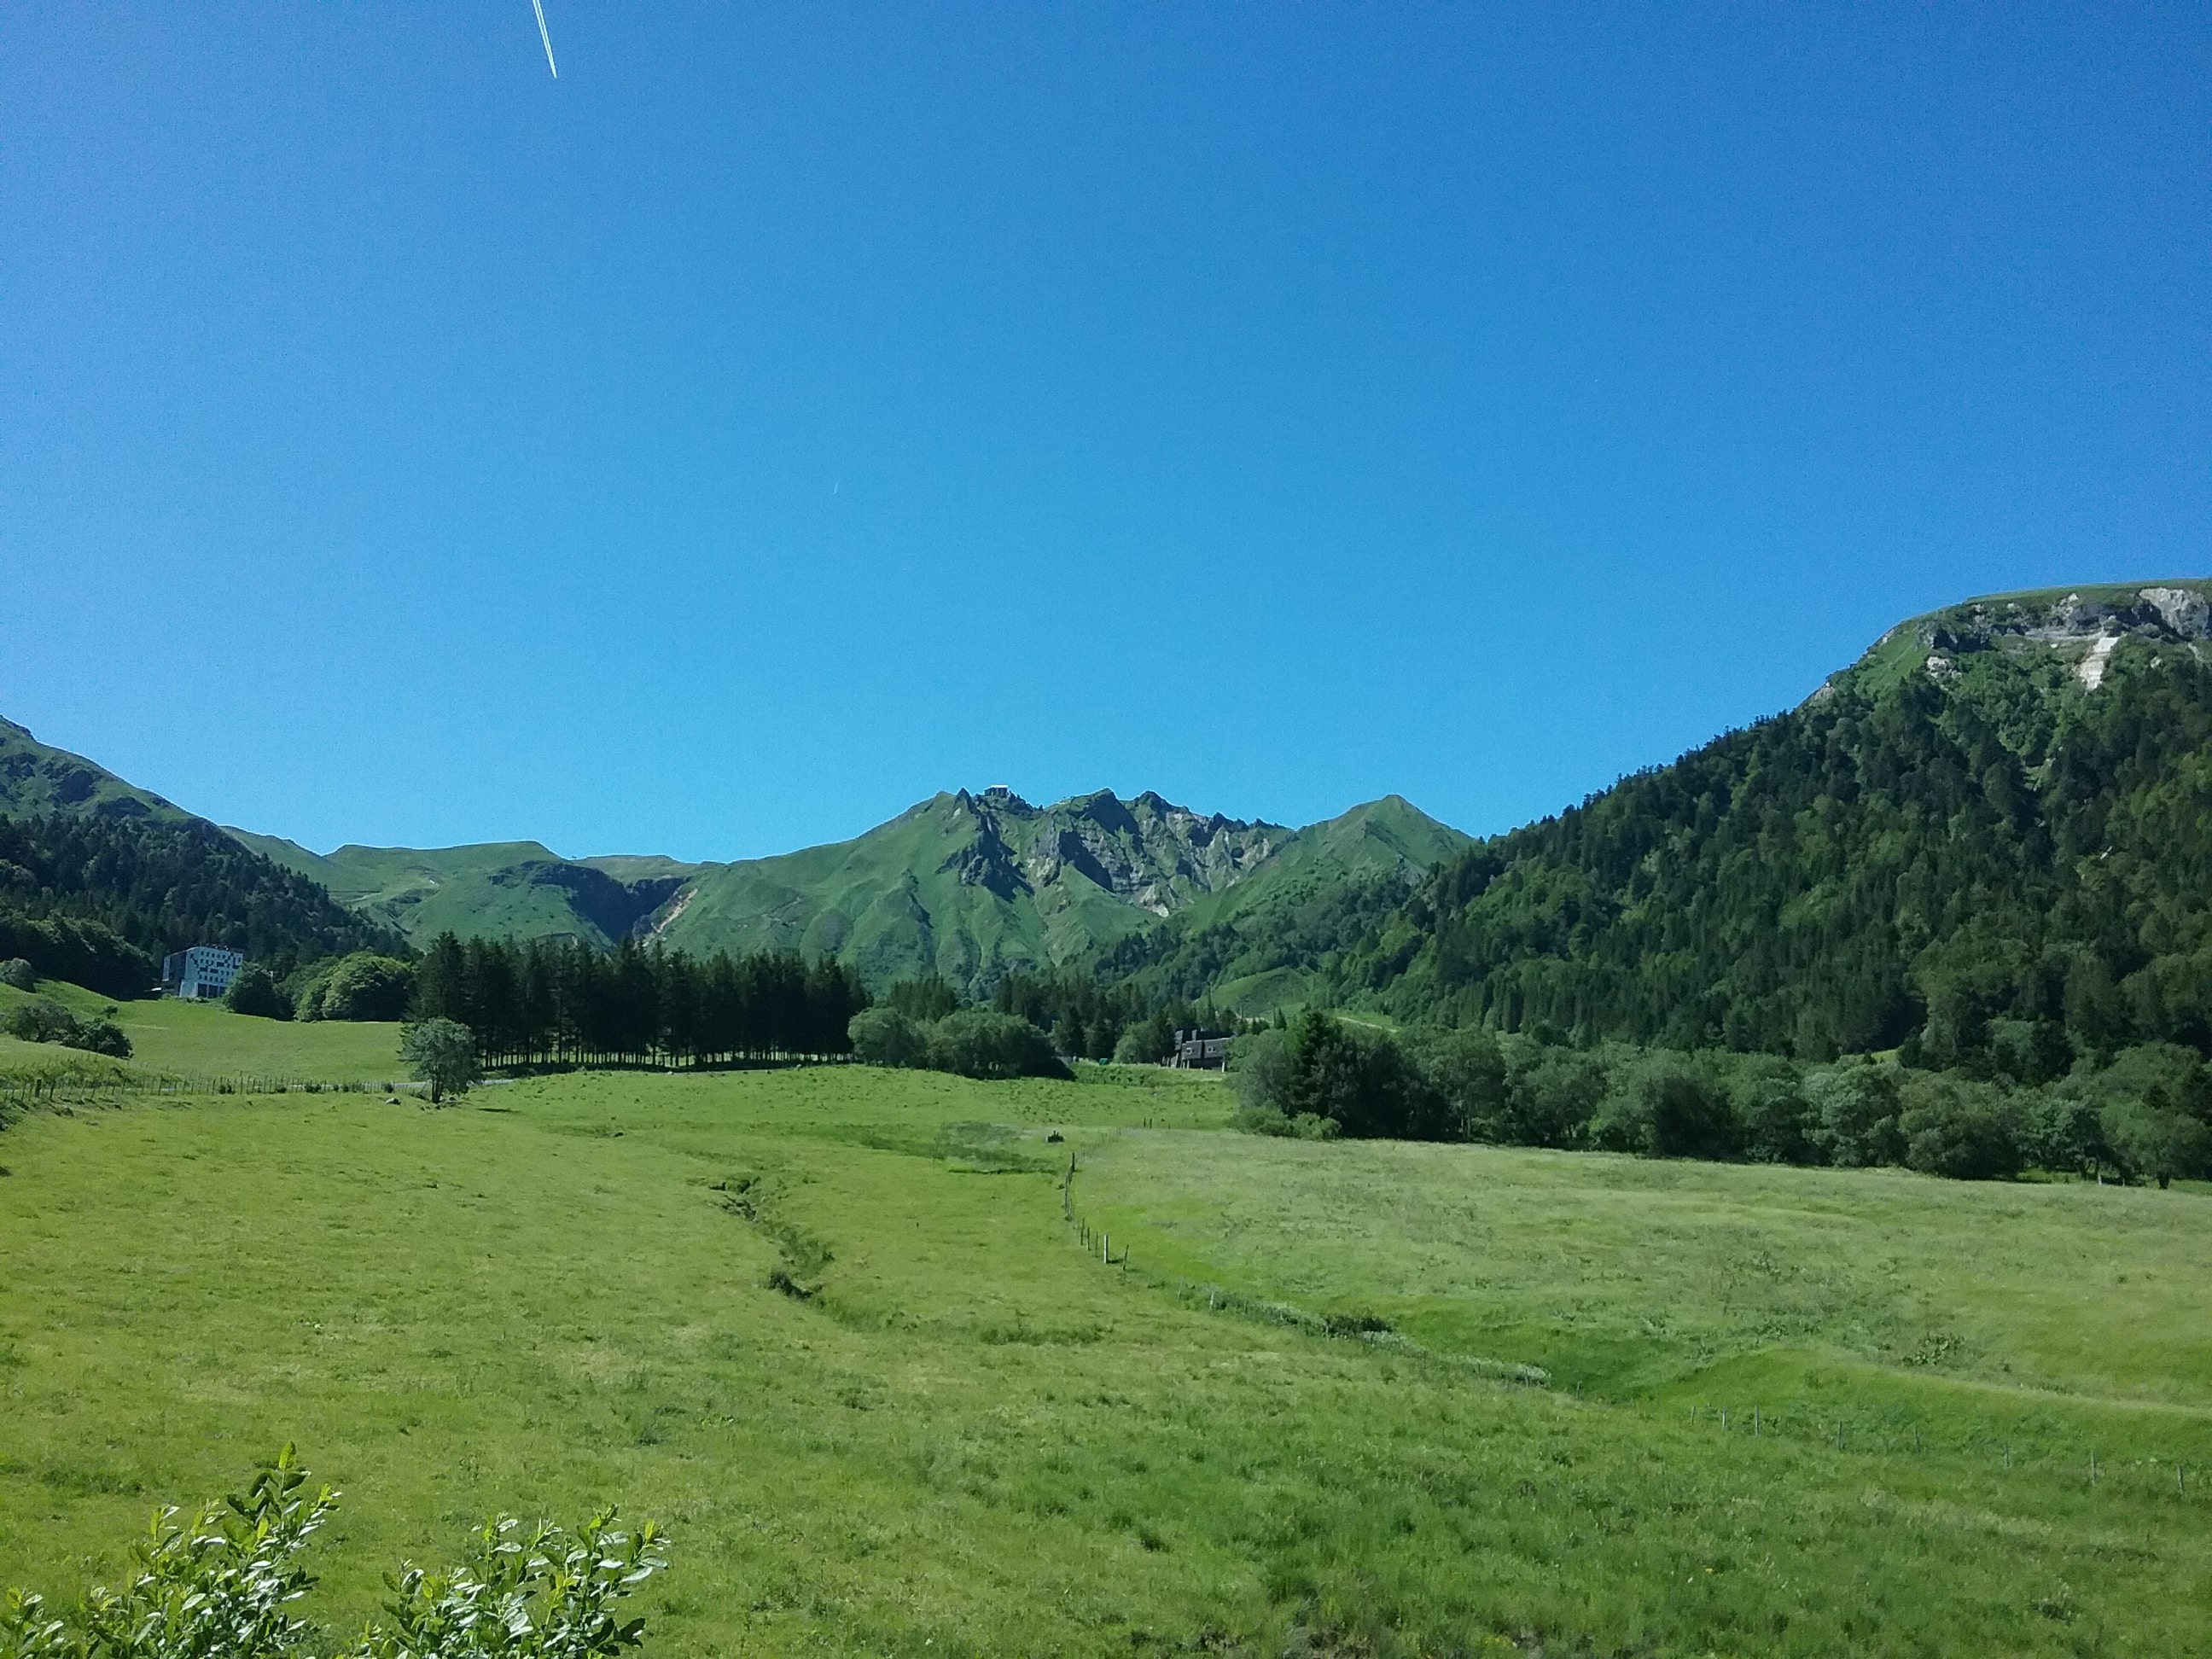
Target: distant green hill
column 969, row 886
column 972, row 887
column 1990, row 839
column 36, row 779
column 1273, row 938
column 515, row 889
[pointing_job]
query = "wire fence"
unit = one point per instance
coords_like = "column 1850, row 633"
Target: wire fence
column 28, row 1089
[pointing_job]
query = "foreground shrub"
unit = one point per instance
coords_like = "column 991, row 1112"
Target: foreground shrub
column 224, row 1583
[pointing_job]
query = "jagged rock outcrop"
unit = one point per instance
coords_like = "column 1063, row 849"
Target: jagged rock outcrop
column 2078, row 629
column 2181, row 614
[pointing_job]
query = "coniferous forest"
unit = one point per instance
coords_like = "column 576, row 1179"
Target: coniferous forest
column 98, row 901
column 558, row 1002
column 1966, row 865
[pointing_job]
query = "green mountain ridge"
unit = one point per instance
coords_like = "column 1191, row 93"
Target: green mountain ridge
column 36, row 779
column 971, row 886
column 519, row 889
column 1989, row 840
column 1990, row 831
column 1272, row 939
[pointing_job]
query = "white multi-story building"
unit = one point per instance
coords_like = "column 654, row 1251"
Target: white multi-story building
column 202, row 974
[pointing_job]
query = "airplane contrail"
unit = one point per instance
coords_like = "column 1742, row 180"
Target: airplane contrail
column 538, row 7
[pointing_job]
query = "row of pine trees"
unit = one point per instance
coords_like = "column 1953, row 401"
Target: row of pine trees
column 558, row 1002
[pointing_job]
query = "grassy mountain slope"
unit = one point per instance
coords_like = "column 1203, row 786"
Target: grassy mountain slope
column 1270, row 938
column 36, row 779
column 974, row 886
column 1990, row 837
column 497, row 889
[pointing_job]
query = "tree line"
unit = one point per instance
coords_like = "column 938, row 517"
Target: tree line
column 2146, row 1113
column 559, row 1002
column 1094, row 1016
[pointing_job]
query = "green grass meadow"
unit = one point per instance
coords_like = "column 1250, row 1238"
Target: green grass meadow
column 833, row 1326
column 206, row 1041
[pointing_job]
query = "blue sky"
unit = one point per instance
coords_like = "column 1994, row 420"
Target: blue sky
column 793, row 411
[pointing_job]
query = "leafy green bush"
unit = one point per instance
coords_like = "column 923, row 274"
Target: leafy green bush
column 1667, row 1106
column 979, row 1043
column 443, row 1053
column 255, row 992
column 1466, row 1072
column 42, row 1021
column 45, row 1020
column 1854, row 1114
column 2153, row 1143
column 970, row 1041
column 224, row 1583
column 1148, row 1042
column 1773, row 1119
column 1960, row 1128
column 885, row 1036
column 101, row 1037
column 360, row 985
column 1551, row 1096
column 1259, row 1070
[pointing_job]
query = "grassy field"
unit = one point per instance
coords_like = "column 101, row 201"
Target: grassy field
column 832, row 1327
column 207, row 1041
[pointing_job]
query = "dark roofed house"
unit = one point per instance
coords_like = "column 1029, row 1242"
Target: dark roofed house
column 1199, row 1051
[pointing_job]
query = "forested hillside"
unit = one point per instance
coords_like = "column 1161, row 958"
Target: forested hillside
column 97, row 900
column 1990, row 842
column 1273, row 937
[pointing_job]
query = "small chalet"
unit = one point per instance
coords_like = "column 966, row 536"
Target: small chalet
column 1202, row 1051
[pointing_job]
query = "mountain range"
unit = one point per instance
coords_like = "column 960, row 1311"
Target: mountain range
column 1990, row 837
column 969, row 886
